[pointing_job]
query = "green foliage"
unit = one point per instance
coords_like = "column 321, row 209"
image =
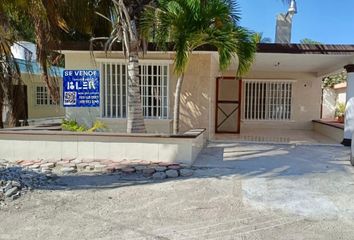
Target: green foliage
column 330, row 81
column 260, row 39
column 309, row 41
column 190, row 24
column 97, row 125
column 73, row 126
column 20, row 23
column 340, row 110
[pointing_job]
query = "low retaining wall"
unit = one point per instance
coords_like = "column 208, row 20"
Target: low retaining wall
column 334, row 131
column 57, row 145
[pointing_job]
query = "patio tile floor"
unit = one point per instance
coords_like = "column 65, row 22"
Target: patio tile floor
column 277, row 136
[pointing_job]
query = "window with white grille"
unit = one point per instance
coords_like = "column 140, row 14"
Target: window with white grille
column 267, row 100
column 43, row 97
column 153, row 90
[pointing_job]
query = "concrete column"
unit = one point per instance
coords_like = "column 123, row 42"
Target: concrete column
column 349, row 110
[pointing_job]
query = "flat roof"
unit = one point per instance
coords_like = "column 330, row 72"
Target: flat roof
column 305, row 48
column 261, row 48
column 33, row 67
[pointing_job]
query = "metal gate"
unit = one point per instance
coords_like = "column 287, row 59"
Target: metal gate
column 228, row 105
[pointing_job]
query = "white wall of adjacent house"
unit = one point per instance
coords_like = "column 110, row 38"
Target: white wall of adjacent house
column 331, row 98
column 329, row 103
column 341, row 95
column 24, row 50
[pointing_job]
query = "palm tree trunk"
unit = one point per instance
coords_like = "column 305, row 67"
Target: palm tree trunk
column 177, row 104
column 135, row 121
column 1, row 107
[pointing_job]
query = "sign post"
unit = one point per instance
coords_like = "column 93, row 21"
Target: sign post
column 81, row 88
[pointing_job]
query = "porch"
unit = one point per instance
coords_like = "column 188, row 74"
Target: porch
column 268, row 135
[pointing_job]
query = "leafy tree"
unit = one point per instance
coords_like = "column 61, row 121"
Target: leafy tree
column 309, row 41
column 36, row 20
column 20, row 24
column 90, row 24
column 189, row 24
column 260, row 39
column 45, row 22
column 10, row 75
column 330, row 81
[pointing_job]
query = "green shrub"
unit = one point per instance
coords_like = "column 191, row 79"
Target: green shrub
column 340, row 110
column 73, row 126
column 97, row 125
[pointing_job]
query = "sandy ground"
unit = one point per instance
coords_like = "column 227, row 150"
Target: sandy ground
column 238, row 192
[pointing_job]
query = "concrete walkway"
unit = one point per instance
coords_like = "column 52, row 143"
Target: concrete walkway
column 239, row 191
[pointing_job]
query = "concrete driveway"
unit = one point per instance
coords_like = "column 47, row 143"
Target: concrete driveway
column 315, row 181
column 239, row 191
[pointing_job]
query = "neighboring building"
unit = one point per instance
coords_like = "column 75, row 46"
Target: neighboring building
column 340, row 90
column 282, row 89
column 39, row 105
column 331, row 98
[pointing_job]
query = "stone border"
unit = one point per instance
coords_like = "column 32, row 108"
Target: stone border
column 154, row 170
column 18, row 178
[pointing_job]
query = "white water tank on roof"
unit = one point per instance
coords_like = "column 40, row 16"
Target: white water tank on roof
column 24, row 50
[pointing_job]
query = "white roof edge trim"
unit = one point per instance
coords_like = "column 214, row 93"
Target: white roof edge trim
column 122, row 60
column 268, row 80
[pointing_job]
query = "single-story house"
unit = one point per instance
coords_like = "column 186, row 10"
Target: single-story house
column 282, row 89
column 39, row 106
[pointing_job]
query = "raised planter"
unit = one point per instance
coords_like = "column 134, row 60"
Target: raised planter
column 331, row 129
column 58, row 145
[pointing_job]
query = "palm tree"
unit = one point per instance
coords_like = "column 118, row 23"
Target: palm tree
column 46, row 22
column 189, row 24
column 260, row 39
column 309, row 41
column 125, row 23
column 10, row 78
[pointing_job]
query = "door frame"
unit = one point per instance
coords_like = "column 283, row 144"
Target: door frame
column 239, row 101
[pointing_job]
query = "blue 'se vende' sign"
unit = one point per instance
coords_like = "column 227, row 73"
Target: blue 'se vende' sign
column 81, row 88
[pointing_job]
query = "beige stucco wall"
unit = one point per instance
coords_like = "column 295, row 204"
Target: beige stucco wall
column 54, row 146
column 195, row 95
column 39, row 111
column 306, row 100
column 329, row 131
column 198, row 95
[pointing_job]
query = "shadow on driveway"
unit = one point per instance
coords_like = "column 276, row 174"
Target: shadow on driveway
column 219, row 160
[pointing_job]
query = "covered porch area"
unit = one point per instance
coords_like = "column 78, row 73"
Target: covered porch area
column 281, row 96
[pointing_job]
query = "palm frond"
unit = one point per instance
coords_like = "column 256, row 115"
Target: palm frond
column 190, row 24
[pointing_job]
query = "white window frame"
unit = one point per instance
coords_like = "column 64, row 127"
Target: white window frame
column 259, row 84
column 123, row 63
column 45, row 96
